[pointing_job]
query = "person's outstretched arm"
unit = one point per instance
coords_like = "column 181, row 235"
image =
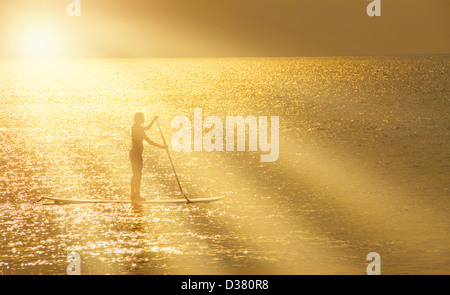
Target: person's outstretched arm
column 154, row 143
column 151, row 124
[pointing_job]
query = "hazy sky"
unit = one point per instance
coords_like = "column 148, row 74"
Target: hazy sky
column 210, row 28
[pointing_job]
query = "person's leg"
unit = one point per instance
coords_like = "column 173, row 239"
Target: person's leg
column 139, row 165
column 136, row 165
column 134, row 178
column 133, row 186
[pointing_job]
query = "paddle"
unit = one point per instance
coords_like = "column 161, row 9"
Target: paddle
column 171, row 162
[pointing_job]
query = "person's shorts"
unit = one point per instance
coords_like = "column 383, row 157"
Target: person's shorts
column 136, row 162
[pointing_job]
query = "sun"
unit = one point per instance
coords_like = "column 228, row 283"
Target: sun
column 41, row 43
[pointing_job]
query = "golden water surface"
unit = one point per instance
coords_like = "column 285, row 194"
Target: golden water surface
column 363, row 166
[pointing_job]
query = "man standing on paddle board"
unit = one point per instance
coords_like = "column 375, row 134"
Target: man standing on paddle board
column 137, row 137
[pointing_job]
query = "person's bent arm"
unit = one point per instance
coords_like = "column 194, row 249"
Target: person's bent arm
column 155, row 144
column 151, row 124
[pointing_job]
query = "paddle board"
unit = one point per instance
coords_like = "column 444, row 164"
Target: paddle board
column 97, row 201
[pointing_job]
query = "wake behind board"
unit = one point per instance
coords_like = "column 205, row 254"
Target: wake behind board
column 149, row 202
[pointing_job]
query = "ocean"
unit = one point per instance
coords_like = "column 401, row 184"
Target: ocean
column 363, row 166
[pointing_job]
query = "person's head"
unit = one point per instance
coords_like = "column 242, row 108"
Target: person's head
column 139, row 118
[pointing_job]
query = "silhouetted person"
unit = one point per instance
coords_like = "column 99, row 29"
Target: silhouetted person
column 137, row 137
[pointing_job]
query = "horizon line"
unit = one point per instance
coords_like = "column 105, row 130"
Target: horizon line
column 224, row 57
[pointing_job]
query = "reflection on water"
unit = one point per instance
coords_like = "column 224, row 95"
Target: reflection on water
column 363, row 167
